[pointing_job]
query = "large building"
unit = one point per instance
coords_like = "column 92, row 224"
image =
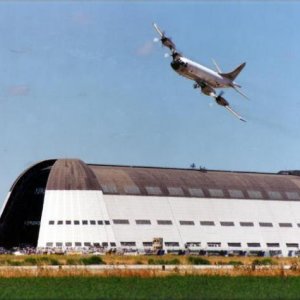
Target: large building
column 67, row 203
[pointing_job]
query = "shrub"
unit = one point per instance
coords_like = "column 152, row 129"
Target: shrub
column 30, row 261
column 198, row 260
column 92, row 260
column 174, row 261
column 263, row 262
column 235, row 263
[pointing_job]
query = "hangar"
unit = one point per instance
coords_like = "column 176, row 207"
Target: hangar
column 67, row 203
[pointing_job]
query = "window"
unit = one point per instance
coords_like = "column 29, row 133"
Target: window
column 253, row 245
column 153, row 190
column 60, row 222
column 285, row 225
column 128, row 244
column 255, row 194
column 105, row 244
column 293, row 195
column 265, row 224
column 109, row 188
column 113, row 244
column 121, row 221
column 196, row 192
column 274, row 195
column 292, row 245
column 77, row 244
column 68, row 222
column 39, row 191
column 49, row 244
column 92, row 222
column 132, row 189
column 87, row 244
column 100, row 222
column 213, row 244
column 234, row 245
column 76, row 222
column 216, row 193
column 106, row 222
column 68, row 244
column 58, row 244
column 236, row 194
column 175, row 191
column 207, row 223
column 186, row 222
column 273, row 245
column 171, row 244
column 51, row 222
column 143, row 222
column 97, row 245
column 84, row 222
column 147, row 244
column 164, row 222
column 247, row 224
column 227, row 223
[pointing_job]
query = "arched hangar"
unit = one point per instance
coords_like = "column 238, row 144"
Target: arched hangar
column 68, row 203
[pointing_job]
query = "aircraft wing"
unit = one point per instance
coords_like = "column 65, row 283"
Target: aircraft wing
column 235, row 113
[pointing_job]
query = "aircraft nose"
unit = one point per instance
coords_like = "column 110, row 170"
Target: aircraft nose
column 175, row 65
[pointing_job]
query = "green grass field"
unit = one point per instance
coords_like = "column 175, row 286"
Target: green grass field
column 171, row 287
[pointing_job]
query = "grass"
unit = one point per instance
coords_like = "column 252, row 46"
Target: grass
column 172, row 287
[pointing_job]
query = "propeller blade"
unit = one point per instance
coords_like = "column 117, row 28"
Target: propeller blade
column 234, row 113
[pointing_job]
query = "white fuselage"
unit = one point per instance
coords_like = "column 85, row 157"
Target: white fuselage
column 199, row 73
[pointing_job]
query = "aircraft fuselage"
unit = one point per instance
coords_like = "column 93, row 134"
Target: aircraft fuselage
column 199, row 73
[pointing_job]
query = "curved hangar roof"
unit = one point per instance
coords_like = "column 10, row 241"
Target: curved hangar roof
column 73, row 174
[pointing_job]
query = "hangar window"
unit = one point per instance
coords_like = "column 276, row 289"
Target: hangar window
column 109, row 188
column 96, row 244
column 100, row 222
column 92, row 222
column 234, row 245
column 153, row 190
column 113, row 244
column 186, row 222
column 164, row 222
column 216, row 193
column 143, row 222
column 107, row 222
column 207, row 223
column 254, row 194
column 121, row 221
column 68, row 222
column 175, row 191
column 147, row 244
column 292, row 245
column 128, row 244
column 171, row 244
column 196, row 192
column 76, row 222
column 60, row 222
column 105, row 244
column 236, row 194
column 274, row 195
column 293, row 195
column 49, row 244
column 87, row 244
column 77, row 244
column 285, row 225
column 51, row 222
column 84, row 222
column 213, row 244
column 265, row 224
column 273, row 245
column 59, row 244
column 132, row 189
column 227, row 223
column 253, row 245
column 68, row 244
column 247, row 224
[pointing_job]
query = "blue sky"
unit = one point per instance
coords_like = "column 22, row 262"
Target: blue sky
column 85, row 80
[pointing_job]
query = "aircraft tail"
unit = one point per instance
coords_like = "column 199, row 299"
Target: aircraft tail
column 232, row 75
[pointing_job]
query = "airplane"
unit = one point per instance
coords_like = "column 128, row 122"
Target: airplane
column 206, row 79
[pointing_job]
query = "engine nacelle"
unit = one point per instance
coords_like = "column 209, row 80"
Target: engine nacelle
column 221, row 101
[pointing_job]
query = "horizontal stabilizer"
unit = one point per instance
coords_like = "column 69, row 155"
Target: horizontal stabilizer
column 232, row 75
